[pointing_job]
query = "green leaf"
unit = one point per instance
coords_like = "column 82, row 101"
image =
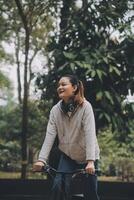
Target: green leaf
column 101, row 116
column 93, row 73
column 109, row 97
column 87, row 65
column 117, row 71
column 111, row 68
column 79, row 63
column 105, row 60
column 99, row 96
column 83, row 64
column 70, row 56
column 99, row 73
column 72, row 65
column 107, row 117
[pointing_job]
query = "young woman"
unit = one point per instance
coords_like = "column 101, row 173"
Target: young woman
column 72, row 120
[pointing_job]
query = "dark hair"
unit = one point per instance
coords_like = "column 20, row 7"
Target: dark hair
column 79, row 93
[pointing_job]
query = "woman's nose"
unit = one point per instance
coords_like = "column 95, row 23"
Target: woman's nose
column 60, row 87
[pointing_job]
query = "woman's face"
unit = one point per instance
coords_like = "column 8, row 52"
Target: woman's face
column 65, row 88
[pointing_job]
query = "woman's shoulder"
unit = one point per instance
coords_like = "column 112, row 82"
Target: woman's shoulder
column 87, row 106
column 86, row 103
column 56, row 107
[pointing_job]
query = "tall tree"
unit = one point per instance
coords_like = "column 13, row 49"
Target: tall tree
column 84, row 46
column 32, row 14
column 25, row 99
column 28, row 25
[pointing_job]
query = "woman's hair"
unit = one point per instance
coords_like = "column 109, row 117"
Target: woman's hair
column 79, row 93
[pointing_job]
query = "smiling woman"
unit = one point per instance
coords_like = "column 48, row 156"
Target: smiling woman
column 72, row 120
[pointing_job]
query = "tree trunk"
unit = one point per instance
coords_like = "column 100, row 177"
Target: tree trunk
column 25, row 111
column 25, row 97
column 18, row 68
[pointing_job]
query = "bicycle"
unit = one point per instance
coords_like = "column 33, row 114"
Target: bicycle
column 52, row 172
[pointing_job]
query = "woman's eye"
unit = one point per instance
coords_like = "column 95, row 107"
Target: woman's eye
column 62, row 85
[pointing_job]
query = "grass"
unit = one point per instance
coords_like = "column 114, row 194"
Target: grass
column 10, row 175
column 17, row 175
column 30, row 175
column 109, row 178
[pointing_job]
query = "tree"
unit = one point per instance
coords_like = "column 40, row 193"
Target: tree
column 84, row 46
column 28, row 13
column 10, row 137
column 25, row 29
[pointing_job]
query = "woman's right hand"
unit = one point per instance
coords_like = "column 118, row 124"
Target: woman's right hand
column 37, row 167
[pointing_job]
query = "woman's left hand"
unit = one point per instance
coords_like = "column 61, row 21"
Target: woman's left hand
column 90, row 169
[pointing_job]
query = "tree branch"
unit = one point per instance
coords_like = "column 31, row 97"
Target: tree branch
column 22, row 15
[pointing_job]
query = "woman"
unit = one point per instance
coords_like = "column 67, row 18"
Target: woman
column 72, row 120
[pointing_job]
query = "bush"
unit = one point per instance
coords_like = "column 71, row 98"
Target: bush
column 116, row 156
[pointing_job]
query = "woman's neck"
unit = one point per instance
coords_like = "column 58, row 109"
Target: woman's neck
column 67, row 100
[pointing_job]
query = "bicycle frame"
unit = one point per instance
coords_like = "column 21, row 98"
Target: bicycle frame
column 50, row 171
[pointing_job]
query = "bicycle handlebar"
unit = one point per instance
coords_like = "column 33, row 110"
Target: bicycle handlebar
column 48, row 169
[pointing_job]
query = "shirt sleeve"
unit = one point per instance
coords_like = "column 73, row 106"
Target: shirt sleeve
column 51, row 133
column 90, row 132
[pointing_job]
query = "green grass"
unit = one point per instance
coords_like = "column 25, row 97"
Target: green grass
column 9, row 175
column 30, row 175
column 109, row 178
column 17, row 175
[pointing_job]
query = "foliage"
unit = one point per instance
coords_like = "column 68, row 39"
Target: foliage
column 109, row 149
column 10, row 134
column 84, row 46
column 116, row 157
column 10, row 155
column 38, row 118
column 28, row 25
column 4, row 81
column 74, row 40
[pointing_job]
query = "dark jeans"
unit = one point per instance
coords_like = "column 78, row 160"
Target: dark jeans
column 61, row 189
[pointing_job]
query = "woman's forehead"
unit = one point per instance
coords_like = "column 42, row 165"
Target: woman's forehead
column 64, row 79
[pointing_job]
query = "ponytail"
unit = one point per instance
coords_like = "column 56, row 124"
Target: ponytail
column 80, row 94
column 81, row 89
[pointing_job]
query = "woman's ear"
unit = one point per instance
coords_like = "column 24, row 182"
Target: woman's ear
column 75, row 88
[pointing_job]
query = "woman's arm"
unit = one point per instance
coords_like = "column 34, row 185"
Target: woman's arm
column 49, row 139
column 90, row 138
column 90, row 132
column 47, row 145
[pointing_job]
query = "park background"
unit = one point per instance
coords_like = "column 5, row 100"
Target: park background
column 43, row 40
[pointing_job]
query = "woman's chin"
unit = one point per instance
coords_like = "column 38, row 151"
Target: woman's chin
column 61, row 96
